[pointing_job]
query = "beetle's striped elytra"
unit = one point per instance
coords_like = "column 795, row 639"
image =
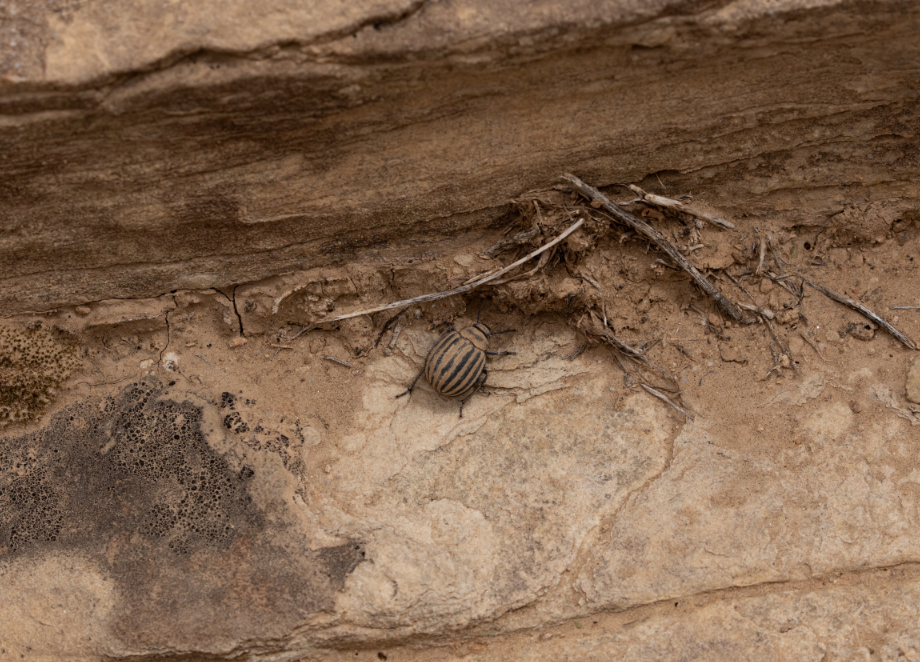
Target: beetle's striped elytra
column 456, row 365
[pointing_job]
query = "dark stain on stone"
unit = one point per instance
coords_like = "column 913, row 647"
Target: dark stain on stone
column 131, row 482
column 133, row 465
column 340, row 561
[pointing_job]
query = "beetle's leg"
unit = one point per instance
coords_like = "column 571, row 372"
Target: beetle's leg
column 412, row 385
column 499, row 353
column 479, row 382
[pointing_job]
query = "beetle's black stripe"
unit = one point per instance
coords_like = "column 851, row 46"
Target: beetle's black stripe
column 452, row 365
column 439, row 352
column 460, row 373
column 446, row 339
column 442, row 361
column 469, row 377
column 465, row 381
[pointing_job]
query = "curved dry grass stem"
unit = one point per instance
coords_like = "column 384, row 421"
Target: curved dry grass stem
column 458, row 290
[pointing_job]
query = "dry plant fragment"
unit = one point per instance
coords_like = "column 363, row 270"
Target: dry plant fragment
column 658, row 239
column 670, row 203
column 463, row 288
column 517, row 239
column 812, row 345
column 667, row 400
column 865, row 312
column 339, row 361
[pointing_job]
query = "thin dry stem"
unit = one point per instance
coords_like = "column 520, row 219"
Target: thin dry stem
column 340, row 361
column 661, row 396
column 463, row 288
column 813, row 346
column 763, row 254
column 670, row 203
column 865, row 312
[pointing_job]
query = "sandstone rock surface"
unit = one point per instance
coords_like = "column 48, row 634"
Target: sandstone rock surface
column 192, row 145
column 189, row 190
column 913, row 382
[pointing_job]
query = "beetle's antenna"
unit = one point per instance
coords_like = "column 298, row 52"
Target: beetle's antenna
column 479, row 314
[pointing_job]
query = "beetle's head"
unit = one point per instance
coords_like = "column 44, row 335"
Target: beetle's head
column 485, row 330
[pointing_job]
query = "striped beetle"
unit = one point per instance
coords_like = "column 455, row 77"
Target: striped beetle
column 456, row 365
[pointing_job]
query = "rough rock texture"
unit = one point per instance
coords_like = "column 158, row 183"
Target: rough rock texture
column 186, row 189
column 148, row 148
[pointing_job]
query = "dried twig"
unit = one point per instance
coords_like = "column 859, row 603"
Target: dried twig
column 683, row 350
column 205, row 360
column 521, row 237
column 541, row 264
column 813, row 346
column 306, row 328
column 604, row 331
column 340, row 361
column 782, row 346
column 396, row 331
column 584, row 276
column 463, row 288
column 760, row 310
column 386, row 326
column 670, row 203
column 664, row 398
column 763, row 254
column 655, row 236
column 865, row 312
column 904, row 307
column 571, row 357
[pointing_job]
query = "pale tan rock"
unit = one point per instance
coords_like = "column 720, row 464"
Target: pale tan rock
column 913, row 381
column 816, row 623
column 719, row 541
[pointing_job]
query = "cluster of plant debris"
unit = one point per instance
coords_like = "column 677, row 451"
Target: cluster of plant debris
column 554, row 246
